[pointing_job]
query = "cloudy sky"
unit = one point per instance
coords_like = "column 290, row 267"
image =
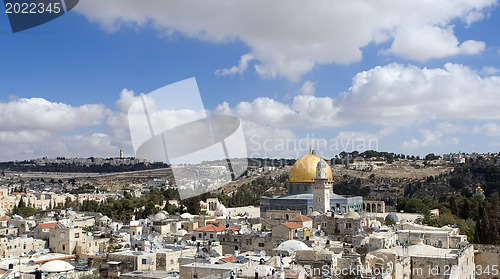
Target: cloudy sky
column 410, row 77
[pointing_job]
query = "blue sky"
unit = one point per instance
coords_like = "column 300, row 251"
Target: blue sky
column 412, row 77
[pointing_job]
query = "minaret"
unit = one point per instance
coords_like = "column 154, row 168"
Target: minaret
column 321, row 189
column 121, row 154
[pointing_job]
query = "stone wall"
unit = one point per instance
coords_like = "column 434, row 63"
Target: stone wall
column 487, row 259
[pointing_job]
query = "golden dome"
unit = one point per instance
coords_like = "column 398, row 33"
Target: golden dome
column 304, row 169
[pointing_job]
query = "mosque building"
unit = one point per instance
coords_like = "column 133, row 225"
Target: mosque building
column 310, row 190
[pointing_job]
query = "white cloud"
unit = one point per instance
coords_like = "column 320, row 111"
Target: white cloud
column 242, row 66
column 262, row 110
column 290, row 38
column 488, row 129
column 489, row 70
column 393, row 95
column 400, row 95
column 441, row 134
column 31, row 128
column 308, row 87
column 425, row 42
column 40, row 114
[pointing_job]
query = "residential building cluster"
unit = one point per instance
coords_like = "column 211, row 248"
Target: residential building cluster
column 308, row 233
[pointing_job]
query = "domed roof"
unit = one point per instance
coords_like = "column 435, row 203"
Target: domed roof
column 164, row 212
column 304, row 169
column 104, row 218
column 186, row 215
column 160, row 216
column 352, row 215
column 56, row 266
column 391, row 217
column 292, row 246
column 181, row 233
column 221, row 208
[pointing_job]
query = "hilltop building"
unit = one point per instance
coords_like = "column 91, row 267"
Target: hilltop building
column 311, row 175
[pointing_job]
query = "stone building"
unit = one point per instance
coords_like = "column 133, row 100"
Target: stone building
column 301, row 183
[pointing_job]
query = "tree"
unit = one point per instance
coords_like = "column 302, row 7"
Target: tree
column 21, row 203
column 26, row 211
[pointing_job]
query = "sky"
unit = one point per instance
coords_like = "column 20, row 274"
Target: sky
column 411, row 77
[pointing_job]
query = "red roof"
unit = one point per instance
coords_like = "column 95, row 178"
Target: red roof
column 58, row 258
column 214, row 228
column 231, row 228
column 292, row 225
column 210, row 228
column 48, row 225
column 5, row 217
column 229, row 259
column 301, row 218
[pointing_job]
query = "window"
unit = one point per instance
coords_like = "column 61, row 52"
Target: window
column 77, row 235
column 144, row 261
column 64, row 247
column 171, row 261
column 211, row 235
column 261, row 244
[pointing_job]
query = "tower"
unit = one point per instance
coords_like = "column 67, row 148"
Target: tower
column 121, row 153
column 321, row 189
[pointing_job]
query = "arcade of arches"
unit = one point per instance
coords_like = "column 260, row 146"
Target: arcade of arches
column 374, row 206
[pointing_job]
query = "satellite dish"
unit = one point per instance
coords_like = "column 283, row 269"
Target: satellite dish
column 151, row 237
column 262, row 253
column 314, row 245
column 137, row 237
column 204, row 250
column 256, row 251
column 184, row 243
column 89, row 234
column 191, row 219
column 322, row 245
column 31, row 262
column 317, row 234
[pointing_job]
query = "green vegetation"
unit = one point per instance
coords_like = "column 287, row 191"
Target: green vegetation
column 123, row 209
column 250, row 193
column 71, row 167
column 351, row 187
column 23, row 209
column 477, row 218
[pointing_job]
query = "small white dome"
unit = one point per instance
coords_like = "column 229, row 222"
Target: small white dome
column 104, row 218
column 353, row 215
column 56, row 266
column 164, row 212
column 292, row 246
column 186, row 215
column 221, row 208
column 160, row 216
column 181, row 233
